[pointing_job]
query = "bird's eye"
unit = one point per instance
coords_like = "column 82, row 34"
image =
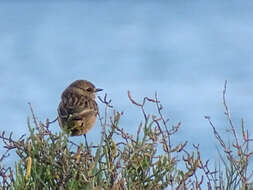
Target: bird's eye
column 89, row 89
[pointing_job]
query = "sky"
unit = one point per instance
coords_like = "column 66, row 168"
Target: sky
column 183, row 50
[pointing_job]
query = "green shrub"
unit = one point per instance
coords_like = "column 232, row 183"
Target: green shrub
column 145, row 160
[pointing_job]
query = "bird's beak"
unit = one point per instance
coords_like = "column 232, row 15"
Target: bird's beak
column 99, row 89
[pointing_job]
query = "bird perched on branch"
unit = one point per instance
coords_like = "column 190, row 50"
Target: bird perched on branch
column 78, row 109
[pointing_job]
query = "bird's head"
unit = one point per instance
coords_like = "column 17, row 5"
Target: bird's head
column 87, row 88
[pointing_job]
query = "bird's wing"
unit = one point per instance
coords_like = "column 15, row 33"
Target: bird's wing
column 77, row 104
column 84, row 113
column 63, row 113
column 72, row 101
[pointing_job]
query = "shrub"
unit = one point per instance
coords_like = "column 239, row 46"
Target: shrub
column 145, row 160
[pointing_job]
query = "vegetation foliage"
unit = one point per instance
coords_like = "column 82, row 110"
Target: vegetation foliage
column 146, row 160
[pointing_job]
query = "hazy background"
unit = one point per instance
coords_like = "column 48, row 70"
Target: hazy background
column 184, row 50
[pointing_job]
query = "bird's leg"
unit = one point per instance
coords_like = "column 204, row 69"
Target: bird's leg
column 86, row 143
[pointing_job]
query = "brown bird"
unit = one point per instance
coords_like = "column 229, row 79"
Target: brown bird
column 78, row 109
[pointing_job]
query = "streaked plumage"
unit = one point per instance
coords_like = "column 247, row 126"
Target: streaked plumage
column 78, row 109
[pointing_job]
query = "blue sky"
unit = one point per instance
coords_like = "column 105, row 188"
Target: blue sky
column 184, row 50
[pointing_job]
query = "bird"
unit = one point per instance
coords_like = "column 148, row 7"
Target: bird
column 78, row 109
